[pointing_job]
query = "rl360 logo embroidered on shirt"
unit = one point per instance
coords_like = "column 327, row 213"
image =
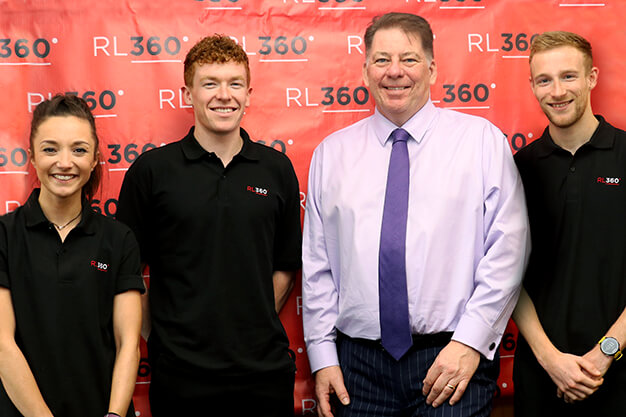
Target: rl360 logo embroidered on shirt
column 100, row 266
column 257, row 190
column 609, row 180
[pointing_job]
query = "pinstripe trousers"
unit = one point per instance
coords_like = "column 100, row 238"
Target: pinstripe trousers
column 380, row 386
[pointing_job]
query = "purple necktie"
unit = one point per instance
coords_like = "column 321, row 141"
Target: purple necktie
column 394, row 305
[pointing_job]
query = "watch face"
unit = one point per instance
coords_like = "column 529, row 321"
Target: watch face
column 609, row 346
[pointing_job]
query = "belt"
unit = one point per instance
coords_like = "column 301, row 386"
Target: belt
column 420, row 341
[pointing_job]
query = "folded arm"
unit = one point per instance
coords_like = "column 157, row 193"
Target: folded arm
column 576, row 377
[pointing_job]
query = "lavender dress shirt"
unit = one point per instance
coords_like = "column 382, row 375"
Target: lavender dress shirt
column 467, row 238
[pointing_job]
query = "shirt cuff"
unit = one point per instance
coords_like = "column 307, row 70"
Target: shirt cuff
column 4, row 280
column 478, row 336
column 129, row 282
column 288, row 265
column 322, row 355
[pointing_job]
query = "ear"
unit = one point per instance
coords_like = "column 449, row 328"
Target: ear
column 364, row 75
column 186, row 95
column 31, row 157
column 96, row 161
column 592, row 77
column 531, row 80
column 433, row 72
column 248, row 96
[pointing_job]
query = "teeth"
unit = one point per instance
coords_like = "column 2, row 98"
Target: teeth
column 395, row 88
column 221, row 110
column 63, row 177
column 559, row 106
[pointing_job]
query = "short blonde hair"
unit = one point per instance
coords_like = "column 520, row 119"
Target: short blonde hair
column 556, row 39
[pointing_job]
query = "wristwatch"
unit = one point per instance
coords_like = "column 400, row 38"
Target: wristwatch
column 610, row 347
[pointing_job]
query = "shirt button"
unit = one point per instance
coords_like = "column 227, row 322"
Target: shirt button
column 572, row 169
column 492, row 346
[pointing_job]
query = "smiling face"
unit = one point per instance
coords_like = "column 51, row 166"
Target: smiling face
column 398, row 74
column 219, row 95
column 63, row 153
column 562, row 85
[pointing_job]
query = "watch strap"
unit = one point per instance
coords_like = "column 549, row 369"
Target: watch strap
column 617, row 355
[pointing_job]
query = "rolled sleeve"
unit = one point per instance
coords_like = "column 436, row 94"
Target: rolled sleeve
column 288, row 239
column 134, row 206
column 129, row 277
column 4, row 279
column 4, row 265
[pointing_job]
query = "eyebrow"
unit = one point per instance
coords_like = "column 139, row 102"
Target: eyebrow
column 213, row 78
column 402, row 54
column 54, row 142
column 567, row 71
column 410, row 54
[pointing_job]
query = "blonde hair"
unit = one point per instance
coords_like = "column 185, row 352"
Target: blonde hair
column 556, row 39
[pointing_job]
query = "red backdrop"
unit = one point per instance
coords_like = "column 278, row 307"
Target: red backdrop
column 126, row 58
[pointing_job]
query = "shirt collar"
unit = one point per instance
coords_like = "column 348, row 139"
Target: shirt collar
column 603, row 138
column 35, row 217
column 193, row 151
column 248, row 150
column 417, row 126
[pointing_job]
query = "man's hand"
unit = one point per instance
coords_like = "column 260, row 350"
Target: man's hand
column 601, row 361
column 576, row 377
column 453, row 367
column 329, row 381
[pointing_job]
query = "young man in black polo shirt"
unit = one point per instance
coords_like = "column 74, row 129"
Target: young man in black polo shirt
column 572, row 315
column 217, row 217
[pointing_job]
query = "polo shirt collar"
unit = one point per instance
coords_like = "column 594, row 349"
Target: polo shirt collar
column 547, row 146
column 35, row 217
column 192, row 149
column 603, row 138
column 417, row 126
column 248, row 150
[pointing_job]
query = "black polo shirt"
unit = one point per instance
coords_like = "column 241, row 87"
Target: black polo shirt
column 62, row 295
column 213, row 237
column 576, row 275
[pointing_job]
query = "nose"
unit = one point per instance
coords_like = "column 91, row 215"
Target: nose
column 557, row 88
column 222, row 92
column 395, row 69
column 64, row 159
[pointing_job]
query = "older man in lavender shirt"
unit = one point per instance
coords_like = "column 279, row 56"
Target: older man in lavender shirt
column 461, row 234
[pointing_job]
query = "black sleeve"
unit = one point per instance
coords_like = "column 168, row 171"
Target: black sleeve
column 129, row 277
column 134, row 204
column 288, row 240
column 4, row 264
